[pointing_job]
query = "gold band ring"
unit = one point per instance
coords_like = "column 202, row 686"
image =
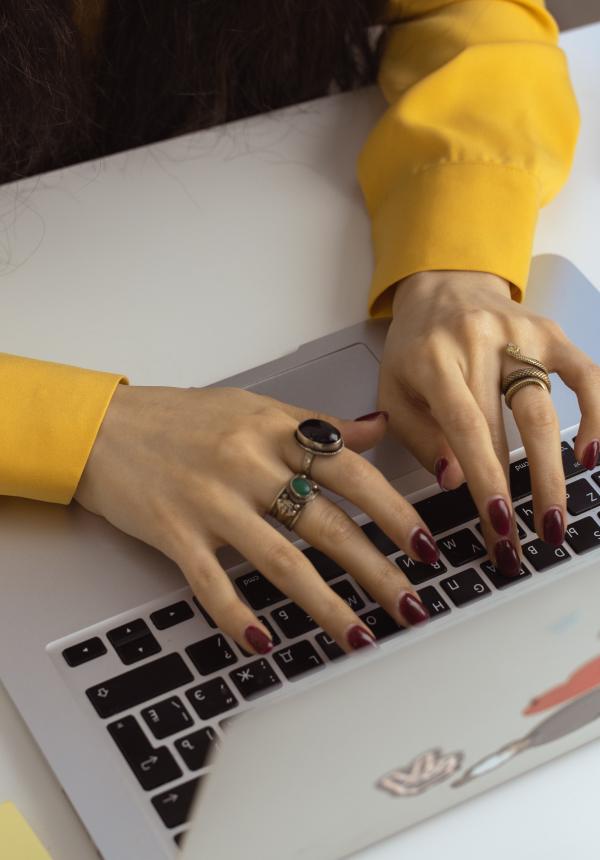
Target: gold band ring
column 521, row 383
column 526, row 374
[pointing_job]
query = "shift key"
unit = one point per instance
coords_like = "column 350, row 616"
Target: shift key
column 139, row 685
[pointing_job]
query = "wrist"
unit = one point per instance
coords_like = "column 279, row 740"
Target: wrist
column 428, row 283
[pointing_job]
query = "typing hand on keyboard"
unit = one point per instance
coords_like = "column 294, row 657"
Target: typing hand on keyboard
column 189, row 470
column 444, row 361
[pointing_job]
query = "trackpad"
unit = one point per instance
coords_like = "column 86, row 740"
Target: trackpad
column 342, row 384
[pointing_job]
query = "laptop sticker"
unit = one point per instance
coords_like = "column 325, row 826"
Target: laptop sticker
column 580, row 697
column 424, row 771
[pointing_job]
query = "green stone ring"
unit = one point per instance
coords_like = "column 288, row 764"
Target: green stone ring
column 289, row 502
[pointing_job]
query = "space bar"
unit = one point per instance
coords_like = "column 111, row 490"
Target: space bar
column 138, row 685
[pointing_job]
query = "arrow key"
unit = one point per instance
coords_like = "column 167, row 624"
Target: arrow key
column 152, row 767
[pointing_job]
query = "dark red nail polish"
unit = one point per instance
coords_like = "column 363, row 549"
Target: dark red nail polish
column 591, row 455
column 499, row 514
column 425, row 547
column 261, row 643
column 554, row 529
column 439, row 468
column 371, row 416
column 358, row 637
column 412, row 609
column 507, row 558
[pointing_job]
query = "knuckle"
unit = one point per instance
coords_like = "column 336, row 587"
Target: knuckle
column 281, row 559
column 552, row 329
column 336, row 527
column 538, row 414
column 477, row 322
column 462, row 418
column 356, row 470
column 233, row 450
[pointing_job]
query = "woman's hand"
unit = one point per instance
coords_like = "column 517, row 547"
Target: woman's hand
column 190, row 470
column 440, row 380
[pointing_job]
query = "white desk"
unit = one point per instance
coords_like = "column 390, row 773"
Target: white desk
column 97, row 249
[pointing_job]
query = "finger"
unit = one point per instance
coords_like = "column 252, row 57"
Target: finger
column 359, row 434
column 539, row 427
column 327, row 527
column 292, row 573
column 579, row 372
column 464, row 424
column 356, row 479
column 414, row 426
column 214, row 590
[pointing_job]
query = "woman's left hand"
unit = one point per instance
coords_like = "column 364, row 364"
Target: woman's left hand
column 440, row 381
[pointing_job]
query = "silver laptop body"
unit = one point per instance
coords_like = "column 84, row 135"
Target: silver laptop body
column 477, row 696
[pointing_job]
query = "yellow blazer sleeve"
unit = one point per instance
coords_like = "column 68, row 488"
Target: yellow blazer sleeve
column 49, row 419
column 480, row 133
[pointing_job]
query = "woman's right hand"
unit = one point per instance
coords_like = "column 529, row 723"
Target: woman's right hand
column 188, row 470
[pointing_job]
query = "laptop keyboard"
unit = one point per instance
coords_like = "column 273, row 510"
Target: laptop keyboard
column 182, row 680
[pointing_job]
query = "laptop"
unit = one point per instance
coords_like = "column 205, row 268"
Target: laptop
column 168, row 738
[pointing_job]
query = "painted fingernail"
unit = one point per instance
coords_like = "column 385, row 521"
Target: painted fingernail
column 412, row 609
column 554, row 529
column 371, row 416
column 507, row 558
column 591, row 455
column 358, row 637
column 259, row 641
column 424, row 546
column 439, row 468
column 499, row 514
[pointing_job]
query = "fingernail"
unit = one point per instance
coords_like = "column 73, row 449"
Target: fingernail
column 554, row 529
column 358, row 637
column 439, row 468
column 591, row 455
column 499, row 514
column 259, row 641
column 507, row 558
column 412, row 609
column 371, row 416
column 424, row 546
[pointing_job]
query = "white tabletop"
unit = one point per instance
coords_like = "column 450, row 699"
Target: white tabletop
column 95, row 249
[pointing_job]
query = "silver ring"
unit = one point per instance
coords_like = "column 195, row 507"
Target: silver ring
column 293, row 497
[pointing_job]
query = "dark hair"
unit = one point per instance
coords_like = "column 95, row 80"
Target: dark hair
column 164, row 67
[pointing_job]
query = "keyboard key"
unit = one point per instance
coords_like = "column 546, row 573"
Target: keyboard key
column 138, row 685
column 326, row 567
column 525, row 511
column 258, row 590
column 139, row 649
column 151, row 766
column 541, row 555
column 297, row 659
column 381, row 540
column 205, row 614
column 171, row 615
column 464, row 587
column 380, row 623
column 418, row 571
column 255, row 678
column 571, row 466
column 127, row 633
column 596, row 477
column 349, row 594
column 499, row 580
column 211, row 654
column 133, row 641
column 194, row 748
column 212, row 698
column 520, row 530
column 461, row 547
column 174, row 806
column 520, row 479
column 446, row 510
column 84, row 651
column 293, row 620
column 329, row 646
column 581, row 497
column 167, row 717
column 583, row 535
column 433, row 600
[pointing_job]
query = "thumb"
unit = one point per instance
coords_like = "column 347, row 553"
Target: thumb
column 359, row 434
